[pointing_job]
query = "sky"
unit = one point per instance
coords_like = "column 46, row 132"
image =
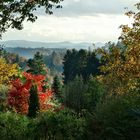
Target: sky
column 78, row 21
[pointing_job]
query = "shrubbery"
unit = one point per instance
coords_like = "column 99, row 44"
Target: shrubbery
column 79, row 95
column 117, row 118
column 13, row 126
column 63, row 125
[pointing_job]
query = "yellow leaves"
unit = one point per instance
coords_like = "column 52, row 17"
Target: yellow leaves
column 131, row 35
column 99, row 78
column 122, row 67
column 7, row 71
column 125, row 28
column 121, row 74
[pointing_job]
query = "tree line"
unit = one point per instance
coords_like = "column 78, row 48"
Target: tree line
column 80, row 63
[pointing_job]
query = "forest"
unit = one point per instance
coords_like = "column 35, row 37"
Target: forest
column 69, row 94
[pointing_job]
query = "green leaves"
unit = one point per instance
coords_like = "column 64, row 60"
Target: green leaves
column 13, row 126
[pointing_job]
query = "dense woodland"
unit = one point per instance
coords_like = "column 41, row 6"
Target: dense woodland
column 71, row 95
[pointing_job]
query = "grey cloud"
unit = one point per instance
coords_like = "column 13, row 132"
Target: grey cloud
column 92, row 7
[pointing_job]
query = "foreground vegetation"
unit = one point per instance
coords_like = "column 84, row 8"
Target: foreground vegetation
column 116, row 118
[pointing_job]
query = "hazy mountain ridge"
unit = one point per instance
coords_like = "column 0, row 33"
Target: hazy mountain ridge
column 27, row 49
column 66, row 45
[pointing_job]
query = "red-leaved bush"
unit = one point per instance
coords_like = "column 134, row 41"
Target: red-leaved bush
column 18, row 97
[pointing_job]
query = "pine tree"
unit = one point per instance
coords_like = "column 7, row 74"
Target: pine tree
column 70, row 64
column 33, row 102
column 57, row 88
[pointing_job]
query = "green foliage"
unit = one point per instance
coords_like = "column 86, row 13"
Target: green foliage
column 79, row 95
column 63, row 125
column 36, row 65
column 74, row 94
column 118, row 118
column 79, row 63
column 95, row 91
column 33, row 102
column 13, row 126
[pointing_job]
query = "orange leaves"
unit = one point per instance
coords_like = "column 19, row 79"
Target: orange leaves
column 36, row 78
column 44, row 99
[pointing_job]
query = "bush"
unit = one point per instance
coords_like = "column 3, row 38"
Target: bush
column 63, row 125
column 117, row 118
column 13, row 126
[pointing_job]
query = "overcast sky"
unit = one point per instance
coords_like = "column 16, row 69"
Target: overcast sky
column 77, row 21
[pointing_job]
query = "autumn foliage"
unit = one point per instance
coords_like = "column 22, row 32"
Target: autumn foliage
column 7, row 71
column 122, row 65
column 19, row 94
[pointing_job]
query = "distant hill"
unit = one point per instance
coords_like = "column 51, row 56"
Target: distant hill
column 27, row 49
column 31, row 44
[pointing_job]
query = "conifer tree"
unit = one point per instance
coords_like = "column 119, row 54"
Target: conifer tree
column 33, row 102
column 57, row 88
column 80, row 63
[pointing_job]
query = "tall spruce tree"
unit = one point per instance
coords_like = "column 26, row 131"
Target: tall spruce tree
column 33, row 101
column 57, row 88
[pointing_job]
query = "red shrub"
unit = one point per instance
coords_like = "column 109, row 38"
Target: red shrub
column 19, row 94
